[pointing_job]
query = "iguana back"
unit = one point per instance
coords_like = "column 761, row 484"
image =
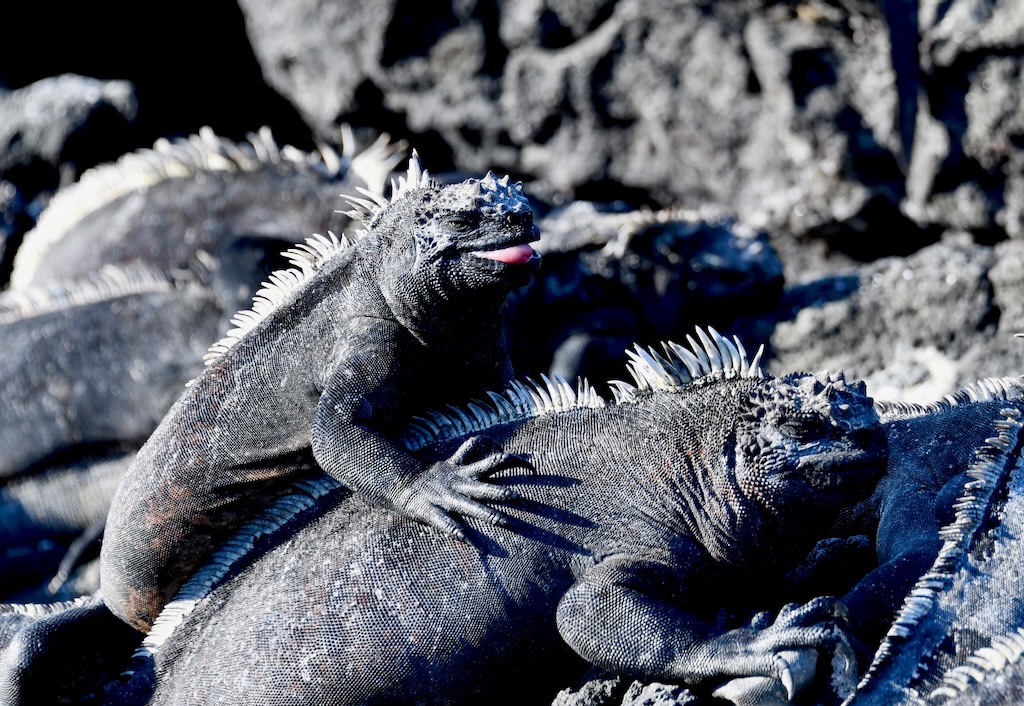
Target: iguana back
column 672, row 499
column 334, row 353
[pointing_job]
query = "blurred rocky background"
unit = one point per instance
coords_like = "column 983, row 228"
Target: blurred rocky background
column 870, row 153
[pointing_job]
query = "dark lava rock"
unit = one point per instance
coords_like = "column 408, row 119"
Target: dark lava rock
column 915, row 327
column 50, row 132
column 612, row 278
column 58, row 127
column 787, row 114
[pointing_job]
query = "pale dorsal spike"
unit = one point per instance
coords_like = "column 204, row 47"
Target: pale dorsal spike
column 714, row 355
column 502, row 404
column 755, row 371
column 357, row 215
column 520, row 397
column 569, row 396
column 637, row 368
column 688, row 359
column 742, row 353
column 734, row 364
column 374, row 196
column 348, row 141
column 376, row 162
column 622, row 391
column 674, row 375
column 108, row 282
column 634, row 372
column 553, row 392
column 365, row 205
column 309, row 258
column 481, row 416
column 541, row 397
column 700, row 355
column 681, row 367
column 415, row 171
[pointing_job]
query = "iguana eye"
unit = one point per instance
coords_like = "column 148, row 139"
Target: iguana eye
column 805, row 428
column 461, row 223
column 517, row 219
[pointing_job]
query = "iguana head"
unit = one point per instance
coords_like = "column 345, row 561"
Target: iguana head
column 762, row 463
column 459, row 242
column 806, row 446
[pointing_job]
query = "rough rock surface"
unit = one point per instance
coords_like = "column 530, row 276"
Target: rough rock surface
column 50, row 132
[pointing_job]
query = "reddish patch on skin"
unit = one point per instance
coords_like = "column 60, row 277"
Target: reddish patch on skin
column 515, row 255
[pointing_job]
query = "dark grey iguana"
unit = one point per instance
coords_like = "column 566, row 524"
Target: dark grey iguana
column 193, row 208
column 956, row 627
column 635, row 542
column 931, row 450
column 88, row 370
column 230, row 204
column 335, row 352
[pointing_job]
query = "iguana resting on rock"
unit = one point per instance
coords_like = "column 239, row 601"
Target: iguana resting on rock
column 635, row 542
column 954, row 636
column 931, row 451
column 931, row 448
column 334, row 354
column 227, row 203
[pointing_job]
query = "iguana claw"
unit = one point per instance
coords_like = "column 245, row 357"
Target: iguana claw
column 786, row 676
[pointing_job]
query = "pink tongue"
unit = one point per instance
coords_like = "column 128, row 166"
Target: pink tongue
column 515, row 255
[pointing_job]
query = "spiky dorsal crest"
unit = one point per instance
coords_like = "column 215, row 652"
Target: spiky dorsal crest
column 187, row 157
column 993, row 461
column 985, row 663
column 987, row 390
column 306, row 496
column 367, row 210
column 308, row 258
column 109, row 282
column 714, row 357
column 311, row 256
column 521, row 400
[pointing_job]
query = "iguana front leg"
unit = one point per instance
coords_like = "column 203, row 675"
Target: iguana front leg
column 609, row 619
column 350, row 444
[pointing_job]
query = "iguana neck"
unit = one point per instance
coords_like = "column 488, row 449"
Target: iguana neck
column 475, row 326
column 697, row 492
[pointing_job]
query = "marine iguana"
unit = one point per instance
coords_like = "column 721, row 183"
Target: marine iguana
column 634, row 542
column 954, row 636
column 334, row 353
column 931, row 446
column 227, row 203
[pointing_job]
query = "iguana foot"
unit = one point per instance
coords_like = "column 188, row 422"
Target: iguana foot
column 775, row 659
column 457, row 486
column 796, row 672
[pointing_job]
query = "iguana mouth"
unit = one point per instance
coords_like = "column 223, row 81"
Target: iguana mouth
column 514, row 255
column 840, row 471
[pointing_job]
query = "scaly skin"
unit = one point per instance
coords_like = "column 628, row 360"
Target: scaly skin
column 98, row 364
column 333, row 356
column 646, row 521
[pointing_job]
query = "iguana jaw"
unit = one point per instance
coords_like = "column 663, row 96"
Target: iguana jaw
column 842, row 469
column 512, row 252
